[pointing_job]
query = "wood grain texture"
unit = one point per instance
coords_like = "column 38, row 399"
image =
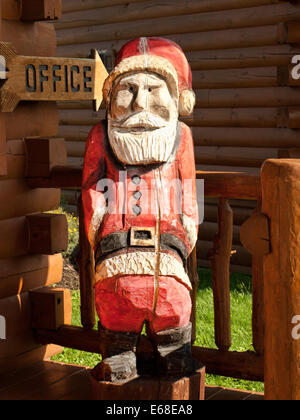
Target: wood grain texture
column 51, row 308
column 29, row 272
column 37, row 39
column 24, row 200
column 27, row 118
column 229, row 19
column 280, row 202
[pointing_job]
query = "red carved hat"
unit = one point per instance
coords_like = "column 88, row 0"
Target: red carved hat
column 160, row 56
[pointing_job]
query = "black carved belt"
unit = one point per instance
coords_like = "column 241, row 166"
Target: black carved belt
column 139, row 237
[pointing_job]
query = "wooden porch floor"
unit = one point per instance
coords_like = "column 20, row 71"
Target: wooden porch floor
column 56, row 381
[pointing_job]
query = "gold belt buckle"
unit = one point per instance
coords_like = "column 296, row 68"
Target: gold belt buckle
column 142, row 236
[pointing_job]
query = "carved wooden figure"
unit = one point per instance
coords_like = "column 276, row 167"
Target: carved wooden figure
column 141, row 216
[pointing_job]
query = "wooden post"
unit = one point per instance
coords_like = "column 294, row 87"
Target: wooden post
column 220, row 262
column 281, row 203
column 85, row 263
column 194, row 278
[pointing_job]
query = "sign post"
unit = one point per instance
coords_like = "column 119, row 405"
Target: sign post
column 50, row 79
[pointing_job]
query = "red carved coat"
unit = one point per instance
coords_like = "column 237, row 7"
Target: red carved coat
column 133, row 198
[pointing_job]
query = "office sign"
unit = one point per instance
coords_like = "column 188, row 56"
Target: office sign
column 50, row 79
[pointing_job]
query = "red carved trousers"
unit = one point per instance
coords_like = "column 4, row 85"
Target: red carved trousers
column 124, row 303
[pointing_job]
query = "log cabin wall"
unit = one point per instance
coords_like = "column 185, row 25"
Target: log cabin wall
column 237, row 50
column 23, row 268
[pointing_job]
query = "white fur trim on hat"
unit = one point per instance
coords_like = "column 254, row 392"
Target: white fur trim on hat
column 151, row 63
column 187, row 102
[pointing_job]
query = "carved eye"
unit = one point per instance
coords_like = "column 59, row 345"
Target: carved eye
column 149, row 89
column 131, row 89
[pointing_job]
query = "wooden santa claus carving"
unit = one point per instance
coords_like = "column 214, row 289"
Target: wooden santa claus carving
column 141, row 218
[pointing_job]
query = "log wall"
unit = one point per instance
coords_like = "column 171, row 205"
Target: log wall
column 237, row 50
column 20, row 269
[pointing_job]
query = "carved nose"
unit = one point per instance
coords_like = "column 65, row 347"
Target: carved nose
column 141, row 100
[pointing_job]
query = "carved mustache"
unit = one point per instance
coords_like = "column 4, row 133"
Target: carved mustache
column 141, row 121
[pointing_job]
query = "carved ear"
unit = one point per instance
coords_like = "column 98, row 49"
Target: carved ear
column 187, row 102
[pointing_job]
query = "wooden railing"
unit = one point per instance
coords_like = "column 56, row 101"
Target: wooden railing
column 275, row 277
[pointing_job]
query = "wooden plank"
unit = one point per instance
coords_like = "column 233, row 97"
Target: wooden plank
column 228, row 19
column 45, row 271
column 38, row 10
column 27, row 118
column 11, row 364
column 24, row 200
column 280, row 202
column 51, row 308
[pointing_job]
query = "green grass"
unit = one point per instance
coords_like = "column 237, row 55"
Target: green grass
column 241, row 301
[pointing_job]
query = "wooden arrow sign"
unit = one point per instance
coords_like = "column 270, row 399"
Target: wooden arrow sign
column 50, row 79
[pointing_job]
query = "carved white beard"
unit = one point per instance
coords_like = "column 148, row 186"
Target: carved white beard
column 142, row 147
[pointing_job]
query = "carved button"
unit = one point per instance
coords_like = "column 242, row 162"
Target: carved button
column 136, row 179
column 137, row 210
column 137, row 195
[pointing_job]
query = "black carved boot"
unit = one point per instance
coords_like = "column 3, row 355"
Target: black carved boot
column 174, row 352
column 118, row 351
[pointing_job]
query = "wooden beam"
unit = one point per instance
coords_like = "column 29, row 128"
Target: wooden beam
column 51, row 308
column 225, row 19
column 38, row 10
column 230, row 185
column 25, row 200
column 36, row 234
column 101, row 15
column 86, row 265
column 246, row 365
column 3, row 163
column 241, row 365
column 29, row 272
column 36, row 40
column 59, row 177
column 43, row 154
column 32, row 119
column 48, row 233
